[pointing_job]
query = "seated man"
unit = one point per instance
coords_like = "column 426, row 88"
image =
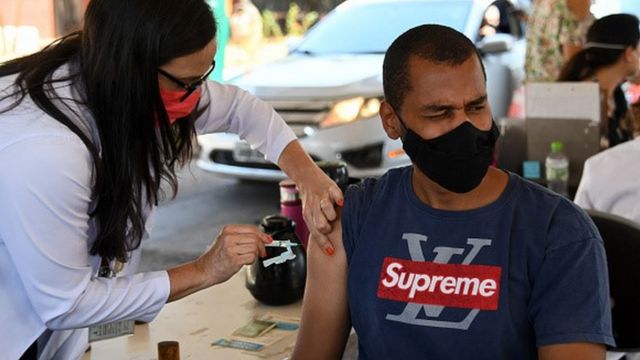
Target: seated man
column 450, row 258
column 610, row 181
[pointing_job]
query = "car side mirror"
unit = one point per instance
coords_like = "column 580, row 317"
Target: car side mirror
column 494, row 44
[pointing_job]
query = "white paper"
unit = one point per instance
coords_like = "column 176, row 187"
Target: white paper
column 563, row 100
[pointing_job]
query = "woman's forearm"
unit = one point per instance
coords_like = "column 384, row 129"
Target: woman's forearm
column 185, row 279
column 297, row 164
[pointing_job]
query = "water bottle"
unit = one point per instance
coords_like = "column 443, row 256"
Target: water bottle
column 291, row 207
column 557, row 169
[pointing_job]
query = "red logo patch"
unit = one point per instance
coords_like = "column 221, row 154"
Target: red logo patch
column 454, row 285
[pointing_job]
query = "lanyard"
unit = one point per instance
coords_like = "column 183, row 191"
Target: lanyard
column 116, row 328
column 107, row 271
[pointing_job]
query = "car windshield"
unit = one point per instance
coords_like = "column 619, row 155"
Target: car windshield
column 370, row 28
column 630, row 7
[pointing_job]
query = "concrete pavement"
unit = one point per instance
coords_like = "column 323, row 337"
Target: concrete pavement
column 185, row 226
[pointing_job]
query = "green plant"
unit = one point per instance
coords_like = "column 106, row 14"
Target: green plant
column 309, row 19
column 270, row 26
column 298, row 23
column 293, row 26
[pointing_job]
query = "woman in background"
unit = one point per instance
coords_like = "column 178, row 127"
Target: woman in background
column 610, row 56
column 555, row 32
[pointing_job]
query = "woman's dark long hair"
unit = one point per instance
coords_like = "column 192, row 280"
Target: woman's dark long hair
column 617, row 29
column 117, row 53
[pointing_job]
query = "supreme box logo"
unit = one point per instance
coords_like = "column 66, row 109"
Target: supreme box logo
column 454, row 285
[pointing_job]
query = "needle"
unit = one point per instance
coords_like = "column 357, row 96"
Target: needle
column 281, row 243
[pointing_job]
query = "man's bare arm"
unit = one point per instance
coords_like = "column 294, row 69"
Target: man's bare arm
column 583, row 351
column 325, row 322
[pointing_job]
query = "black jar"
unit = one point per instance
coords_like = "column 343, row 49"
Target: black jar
column 278, row 284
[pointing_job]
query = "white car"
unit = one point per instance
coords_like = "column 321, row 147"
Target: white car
column 330, row 87
column 606, row 7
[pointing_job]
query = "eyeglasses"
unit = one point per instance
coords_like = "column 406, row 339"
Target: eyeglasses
column 189, row 87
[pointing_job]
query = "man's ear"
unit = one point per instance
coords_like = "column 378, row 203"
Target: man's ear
column 390, row 121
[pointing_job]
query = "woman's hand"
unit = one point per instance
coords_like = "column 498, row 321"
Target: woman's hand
column 235, row 246
column 320, row 195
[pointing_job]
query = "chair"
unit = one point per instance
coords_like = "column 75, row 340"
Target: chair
column 622, row 244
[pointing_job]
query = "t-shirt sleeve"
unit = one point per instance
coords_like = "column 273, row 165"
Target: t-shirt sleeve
column 570, row 294
column 228, row 108
column 45, row 227
column 354, row 210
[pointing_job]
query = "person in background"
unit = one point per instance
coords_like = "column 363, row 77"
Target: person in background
column 90, row 127
column 498, row 19
column 610, row 57
column 246, row 28
column 555, row 32
column 610, row 183
column 450, row 258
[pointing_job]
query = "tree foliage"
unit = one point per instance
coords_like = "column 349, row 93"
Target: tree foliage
column 319, row 6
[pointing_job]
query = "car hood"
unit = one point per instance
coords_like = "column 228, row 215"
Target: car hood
column 304, row 76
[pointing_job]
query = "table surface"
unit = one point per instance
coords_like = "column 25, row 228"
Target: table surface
column 204, row 317
column 195, row 322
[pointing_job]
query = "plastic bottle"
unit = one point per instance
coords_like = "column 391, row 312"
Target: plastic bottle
column 557, row 169
column 291, row 207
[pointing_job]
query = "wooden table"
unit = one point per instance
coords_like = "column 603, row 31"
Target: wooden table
column 195, row 322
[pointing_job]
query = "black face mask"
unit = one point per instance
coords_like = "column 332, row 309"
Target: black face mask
column 457, row 160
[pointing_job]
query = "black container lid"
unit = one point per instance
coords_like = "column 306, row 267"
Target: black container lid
column 336, row 170
column 275, row 223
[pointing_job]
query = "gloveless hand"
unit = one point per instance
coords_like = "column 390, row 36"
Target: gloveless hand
column 319, row 196
column 234, row 247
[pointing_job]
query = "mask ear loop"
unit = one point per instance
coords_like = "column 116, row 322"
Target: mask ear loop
column 404, row 127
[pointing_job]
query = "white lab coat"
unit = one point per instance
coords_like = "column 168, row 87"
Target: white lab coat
column 48, row 285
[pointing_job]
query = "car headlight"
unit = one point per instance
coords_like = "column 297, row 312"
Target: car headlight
column 349, row 110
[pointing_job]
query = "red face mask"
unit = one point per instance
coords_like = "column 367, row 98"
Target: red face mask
column 174, row 107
